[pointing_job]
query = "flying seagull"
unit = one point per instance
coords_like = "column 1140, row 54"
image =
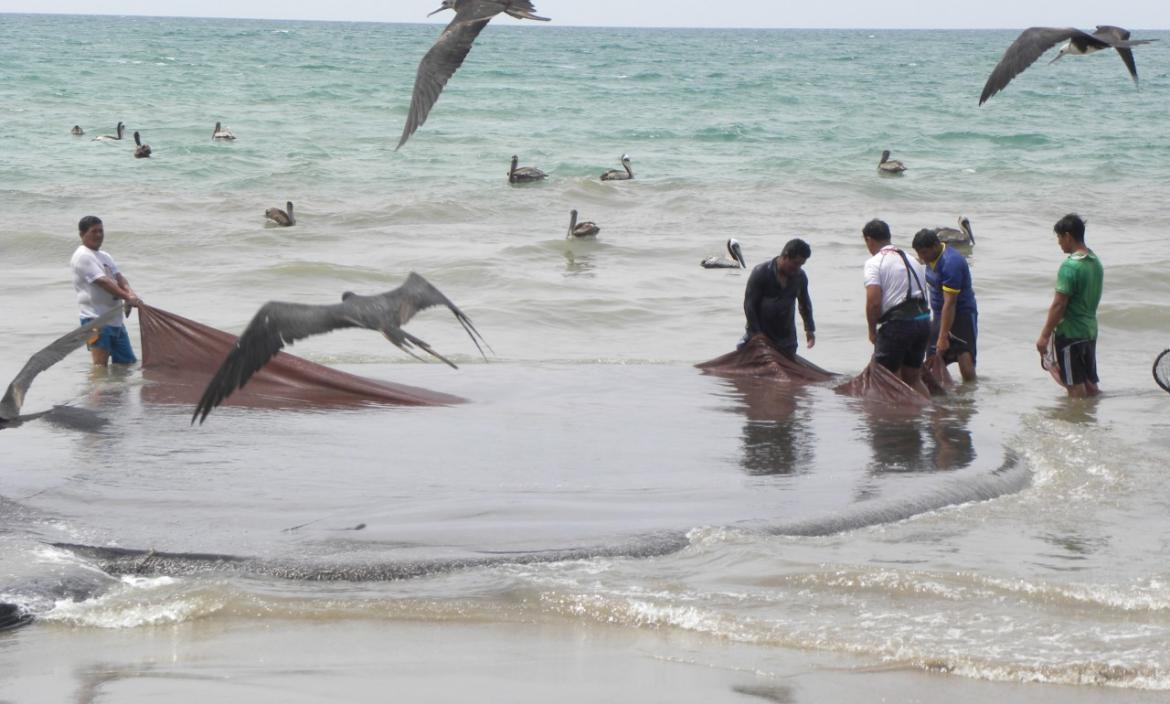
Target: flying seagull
column 277, row 324
column 39, row 362
column 448, row 53
column 1034, row 41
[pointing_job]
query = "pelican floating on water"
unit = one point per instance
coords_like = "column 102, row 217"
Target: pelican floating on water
column 962, row 236
column 277, row 324
column 452, row 47
column 583, row 229
column 890, row 166
column 1034, row 41
column 284, row 218
column 222, row 133
column 735, row 262
column 77, row 131
column 119, row 131
column 141, row 151
column 618, row 174
column 524, row 174
column 14, row 397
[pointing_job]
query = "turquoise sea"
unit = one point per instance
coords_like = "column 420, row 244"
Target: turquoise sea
column 601, row 521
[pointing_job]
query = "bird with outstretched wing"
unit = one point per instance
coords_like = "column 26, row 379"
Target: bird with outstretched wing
column 452, row 47
column 277, row 324
column 39, row 362
column 1034, row 41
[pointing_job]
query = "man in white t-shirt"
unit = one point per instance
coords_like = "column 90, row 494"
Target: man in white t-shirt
column 896, row 307
column 101, row 287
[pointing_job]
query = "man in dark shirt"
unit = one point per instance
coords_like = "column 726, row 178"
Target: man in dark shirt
column 774, row 290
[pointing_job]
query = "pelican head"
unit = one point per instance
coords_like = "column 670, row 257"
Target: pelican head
column 885, row 156
column 736, row 253
column 1066, row 49
column 965, row 226
column 447, row 5
column 347, row 295
column 625, row 158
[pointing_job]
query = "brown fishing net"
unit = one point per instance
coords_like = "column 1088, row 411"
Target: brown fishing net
column 876, row 383
column 179, row 357
column 760, row 358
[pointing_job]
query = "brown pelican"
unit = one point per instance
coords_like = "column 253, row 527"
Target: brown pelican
column 277, row 324
column 119, row 130
column 284, row 218
column 524, row 174
column 222, row 133
column 77, row 131
column 142, row 151
column 448, row 53
column 890, row 166
column 1034, row 41
column 620, row 175
column 735, row 262
column 39, row 362
column 962, row 236
column 584, row 229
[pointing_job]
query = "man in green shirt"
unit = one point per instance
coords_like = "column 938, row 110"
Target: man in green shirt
column 1073, row 313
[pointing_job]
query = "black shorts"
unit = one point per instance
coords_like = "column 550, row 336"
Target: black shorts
column 1077, row 360
column 964, row 334
column 902, row 343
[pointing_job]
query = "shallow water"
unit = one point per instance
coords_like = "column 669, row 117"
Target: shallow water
column 595, row 480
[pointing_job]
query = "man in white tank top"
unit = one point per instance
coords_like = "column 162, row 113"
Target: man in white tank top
column 896, row 306
column 101, row 287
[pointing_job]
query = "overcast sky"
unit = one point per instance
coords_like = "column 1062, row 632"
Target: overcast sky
column 1143, row 14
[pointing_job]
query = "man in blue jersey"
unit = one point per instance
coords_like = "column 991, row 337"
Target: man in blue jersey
column 952, row 299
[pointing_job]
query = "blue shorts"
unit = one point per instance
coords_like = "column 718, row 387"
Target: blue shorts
column 115, row 340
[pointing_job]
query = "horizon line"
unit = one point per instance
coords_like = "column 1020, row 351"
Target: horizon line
column 578, row 26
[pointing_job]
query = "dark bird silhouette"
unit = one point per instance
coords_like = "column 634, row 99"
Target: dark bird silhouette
column 623, row 174
column 962, row 236
column 583, row 229
column 524, row 174
column 735, row 262
column 452, row 47
column 1034, row 41
column 141, row 151
column 221, row 133
column 77, row 131
column 117, row 136
column 277, row 324
column 890, row 166
column 284, row 218
column 14, row 397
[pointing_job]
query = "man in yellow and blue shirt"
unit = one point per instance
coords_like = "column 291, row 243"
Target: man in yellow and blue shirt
column 955, row 328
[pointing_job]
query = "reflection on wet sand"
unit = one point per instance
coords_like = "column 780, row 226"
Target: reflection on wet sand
column 776, row 438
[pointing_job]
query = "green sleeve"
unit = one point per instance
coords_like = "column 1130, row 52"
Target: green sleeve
column 1066, row 278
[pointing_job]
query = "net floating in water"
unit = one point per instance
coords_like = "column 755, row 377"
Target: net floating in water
column 179, row 357
column 758, row 357
column 1162, row 370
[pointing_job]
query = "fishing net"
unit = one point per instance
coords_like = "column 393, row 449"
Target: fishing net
column 758, row 357
column 1162, row 370
column 179, row 357
column 1050, row 363
column 876, row 383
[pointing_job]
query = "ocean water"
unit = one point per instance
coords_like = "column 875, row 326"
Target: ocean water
column 598, row 498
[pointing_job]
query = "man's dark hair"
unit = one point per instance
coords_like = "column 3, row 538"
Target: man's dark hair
column 1071, row 224
column 87, row 222
column 877, row 230
column 796, row 248
column 926, row 238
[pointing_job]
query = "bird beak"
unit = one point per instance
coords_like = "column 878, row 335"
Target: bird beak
column 444, row 7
